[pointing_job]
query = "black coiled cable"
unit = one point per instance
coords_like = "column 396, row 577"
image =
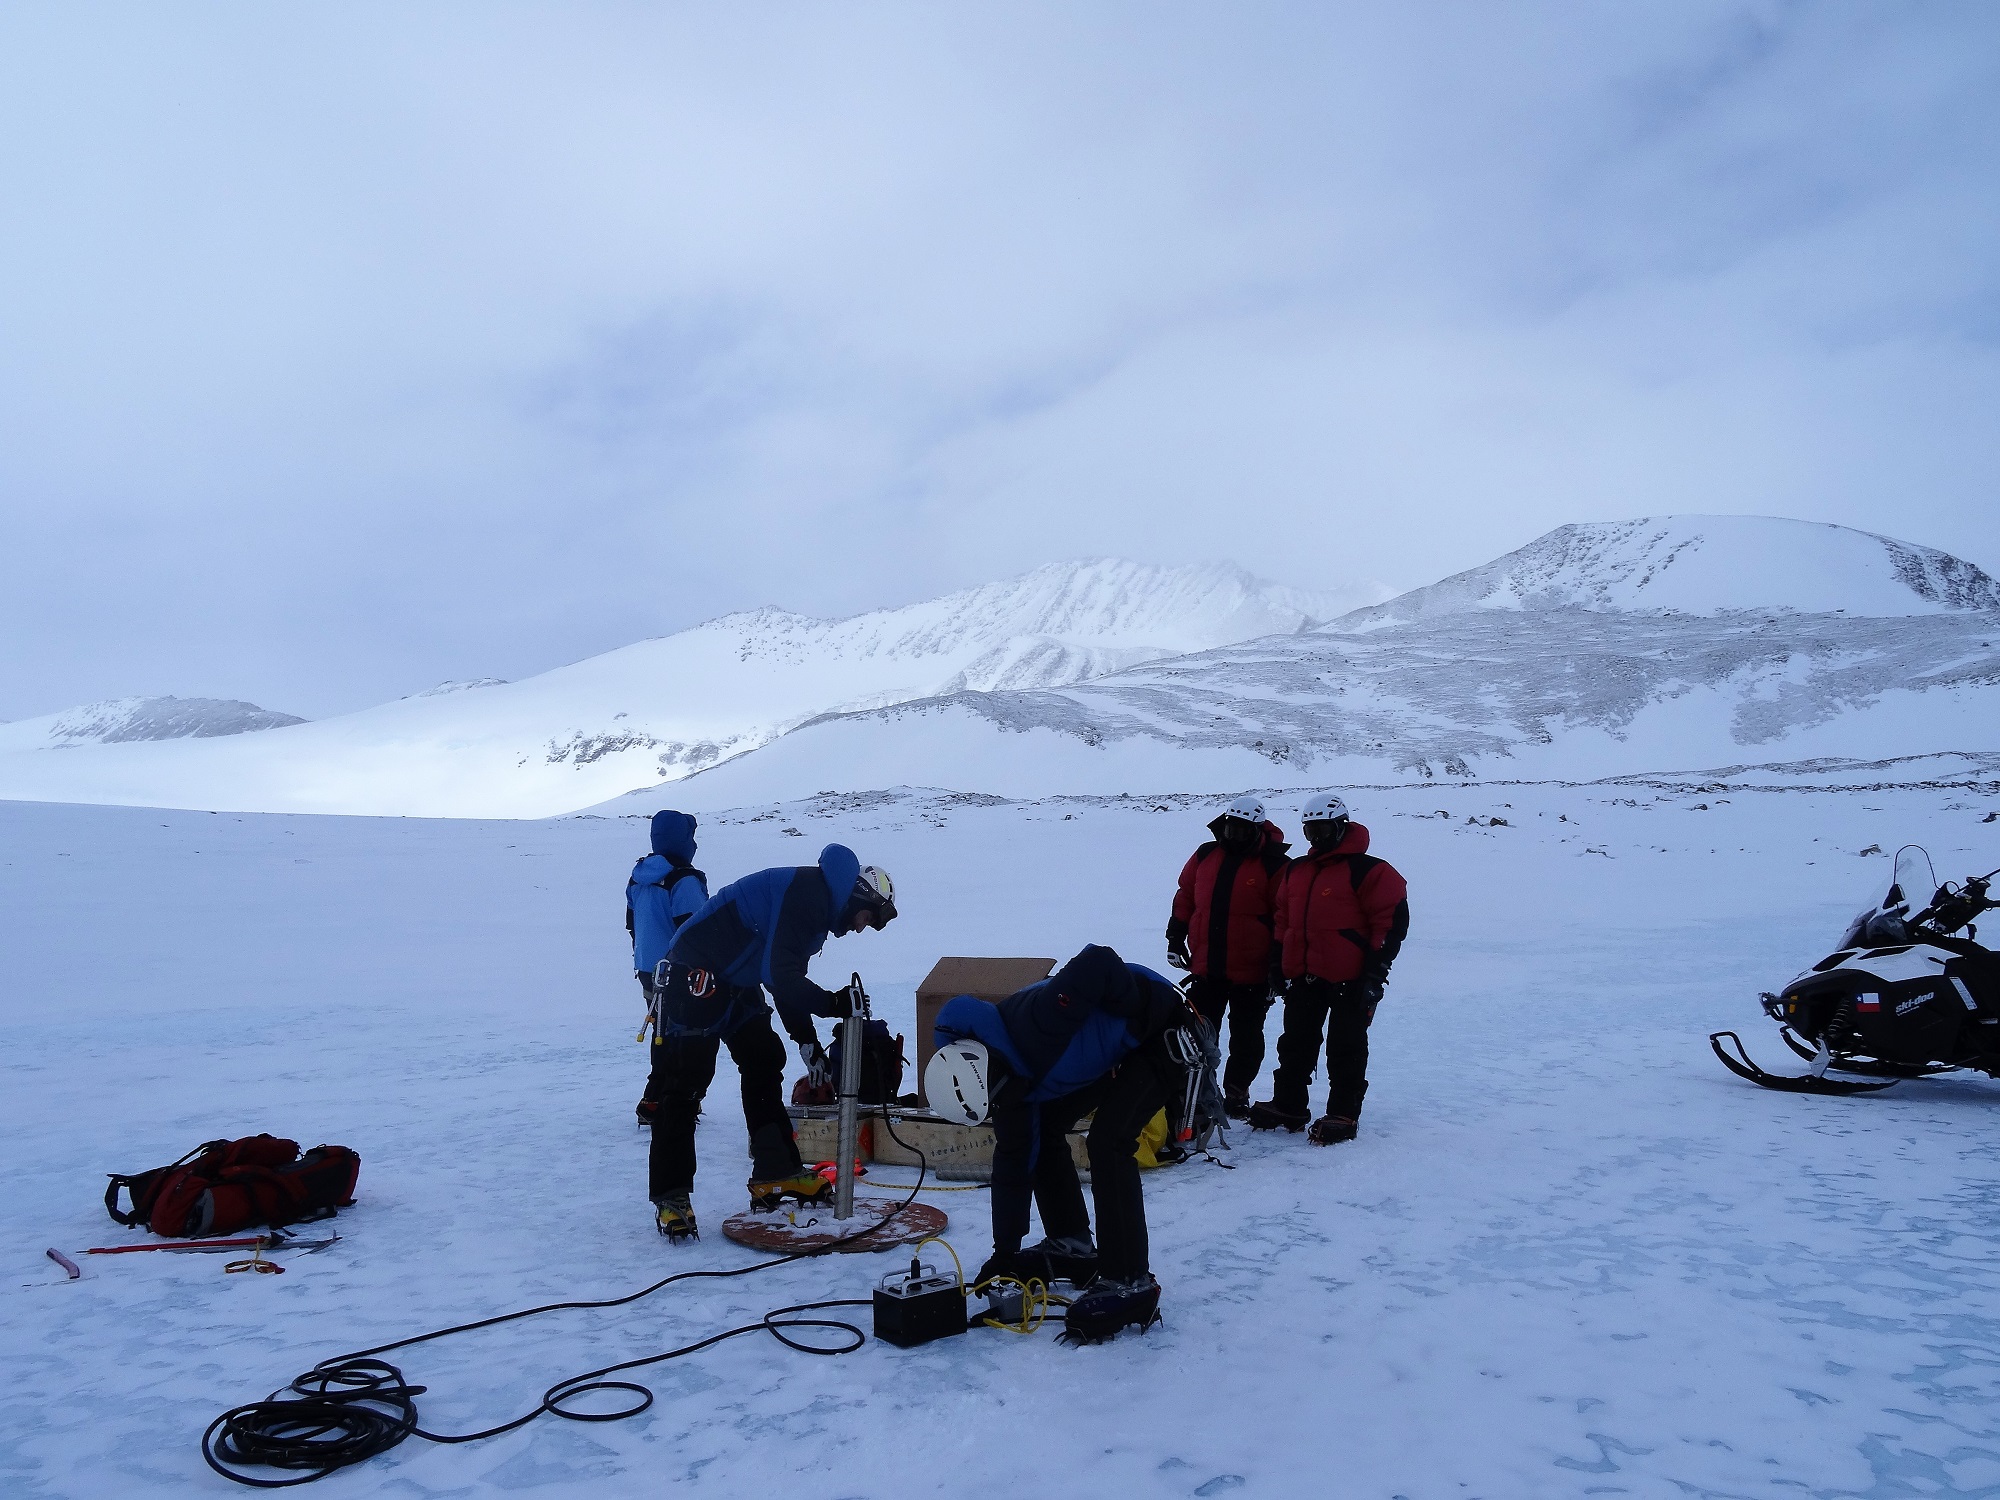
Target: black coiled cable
column 352, row 1407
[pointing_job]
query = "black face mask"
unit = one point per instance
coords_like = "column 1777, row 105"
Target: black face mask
column 1237, row 834
column 1326, row 835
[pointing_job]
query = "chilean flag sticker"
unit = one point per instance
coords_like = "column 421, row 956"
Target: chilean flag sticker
column 1867, row 1002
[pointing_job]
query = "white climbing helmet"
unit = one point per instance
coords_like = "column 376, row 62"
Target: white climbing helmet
column 1249, row 809
column 1325, row 808
column 874, row 890
column 955, row 1082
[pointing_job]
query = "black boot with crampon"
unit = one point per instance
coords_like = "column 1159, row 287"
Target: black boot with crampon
column 1268, row 1116
column 1109, row 1306
column 804, row 1187
column 1070, row 1258
column 1331, row 1130
column 673, row 1216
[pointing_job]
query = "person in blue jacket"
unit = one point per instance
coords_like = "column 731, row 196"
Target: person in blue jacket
column 1092, row 1036
column 753, row 935
column 664, row 891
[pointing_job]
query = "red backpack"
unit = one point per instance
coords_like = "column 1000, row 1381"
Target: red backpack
column 223, row 1186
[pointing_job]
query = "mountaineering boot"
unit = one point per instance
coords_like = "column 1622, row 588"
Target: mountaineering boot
column 1236, row 1105
column 1109, row 1306
column 1071, row 1258
column 1002, row 1263
column 806, row 1187
column 1268, row 1116
column 1331, row 1130
column 673, row 1215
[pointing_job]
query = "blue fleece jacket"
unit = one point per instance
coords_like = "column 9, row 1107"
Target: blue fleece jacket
column 766, row 927
column 1073, row 1027
column 665, row 889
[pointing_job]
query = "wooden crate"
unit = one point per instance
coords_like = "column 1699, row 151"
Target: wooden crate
column 956, row 1153
column 988, row 979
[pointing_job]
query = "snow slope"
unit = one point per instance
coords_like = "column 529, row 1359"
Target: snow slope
column 127, row 720
column 660, row 709
column 1568, row 1256
column 1540, row 665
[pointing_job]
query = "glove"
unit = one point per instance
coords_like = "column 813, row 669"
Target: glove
column 1368, row 990
column 819, row 1071
column 1177, row 947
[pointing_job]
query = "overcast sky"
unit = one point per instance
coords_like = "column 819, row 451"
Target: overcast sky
column 345, row 349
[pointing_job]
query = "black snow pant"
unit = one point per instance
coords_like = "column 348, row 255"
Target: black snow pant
column 1343, row 1013
column 1031, row 1156
column 683, row 1068
column 1247, row 1006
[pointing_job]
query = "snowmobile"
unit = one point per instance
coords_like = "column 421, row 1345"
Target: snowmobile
column 1903, row 996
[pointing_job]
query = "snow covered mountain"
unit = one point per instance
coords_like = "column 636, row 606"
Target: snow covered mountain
column 1594, row 651
column 1707, row 565
column 662, row 709
column 123, row 720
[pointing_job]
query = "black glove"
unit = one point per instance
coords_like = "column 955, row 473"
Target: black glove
column 1177, row 947
column 1368, row 990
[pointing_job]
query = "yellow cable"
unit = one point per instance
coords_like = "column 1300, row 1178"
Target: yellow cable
column 940, row 1240
column 1036, row 1298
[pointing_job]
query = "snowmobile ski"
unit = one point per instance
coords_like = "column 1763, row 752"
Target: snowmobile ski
column 1871, row 1066
column 1743, row 1067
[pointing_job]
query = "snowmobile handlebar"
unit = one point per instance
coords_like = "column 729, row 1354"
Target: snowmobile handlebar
column 1953, row 909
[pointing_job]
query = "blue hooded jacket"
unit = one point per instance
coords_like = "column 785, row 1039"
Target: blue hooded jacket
column 1071, row 1029
column 766, row 927
column 664, row 891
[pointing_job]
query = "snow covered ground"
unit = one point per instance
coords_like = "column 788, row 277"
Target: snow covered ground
column 1569, row 1256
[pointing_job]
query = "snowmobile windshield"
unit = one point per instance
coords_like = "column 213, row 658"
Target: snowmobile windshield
column 1912, row 887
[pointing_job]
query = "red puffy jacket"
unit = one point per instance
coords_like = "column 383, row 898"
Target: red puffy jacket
column 1224, row 906
column 1341, row 914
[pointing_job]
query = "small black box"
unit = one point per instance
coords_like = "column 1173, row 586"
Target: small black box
column 914, row 1310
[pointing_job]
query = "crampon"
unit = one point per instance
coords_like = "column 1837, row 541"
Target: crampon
column 1268, row 1116
column 674, row 1217
column 806, row 1187
column 1108, row 1306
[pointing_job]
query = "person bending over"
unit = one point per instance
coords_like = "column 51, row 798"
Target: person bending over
column 755, row 934
column 1090, row 1037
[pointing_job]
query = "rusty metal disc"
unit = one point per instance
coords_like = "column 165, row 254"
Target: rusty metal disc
column 812, row 1226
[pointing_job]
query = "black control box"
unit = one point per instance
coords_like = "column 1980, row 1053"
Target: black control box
column 915, row 1306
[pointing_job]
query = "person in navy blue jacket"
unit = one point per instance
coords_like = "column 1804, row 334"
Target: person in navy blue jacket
column 664, row 891
column 1092, row 1036
column 753, row 935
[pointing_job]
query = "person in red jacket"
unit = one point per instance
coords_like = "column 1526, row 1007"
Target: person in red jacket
column 1220, row 932
column 1340, row 921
